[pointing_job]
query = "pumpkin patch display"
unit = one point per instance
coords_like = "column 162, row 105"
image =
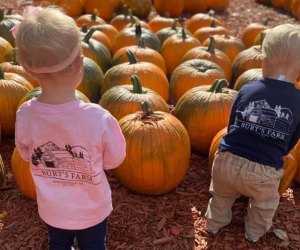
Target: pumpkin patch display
column 157, row 154
column 22, row 175
column 123, row 100
column 290, row 164
column 204, row 110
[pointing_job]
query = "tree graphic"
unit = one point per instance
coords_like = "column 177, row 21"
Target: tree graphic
column 36, row 156
column 69, row 149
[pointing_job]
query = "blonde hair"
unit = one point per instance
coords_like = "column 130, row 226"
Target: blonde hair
column 282, row 44
column 46, row 38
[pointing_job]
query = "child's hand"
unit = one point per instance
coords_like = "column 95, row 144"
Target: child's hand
column 288, row 156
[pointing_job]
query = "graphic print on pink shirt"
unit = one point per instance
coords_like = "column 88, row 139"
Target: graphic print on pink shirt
column 71, row 164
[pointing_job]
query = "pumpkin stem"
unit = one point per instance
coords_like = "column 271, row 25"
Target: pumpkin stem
column 142, row 43
column 94, row 15
column 212, row 45
column 147, row 110
column 2, row 76
column 174, row 24
column 84, row 28
column 266, row 22
column 9, row 11
column 131, row 57
column 88, row 35
column 213, row 23
column 183, row 34
column 136, row 83
column 211, row 13
column 1, row 14
column 218, row 85
column 138, row 29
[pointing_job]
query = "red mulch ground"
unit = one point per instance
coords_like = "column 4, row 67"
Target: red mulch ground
column 171, row 221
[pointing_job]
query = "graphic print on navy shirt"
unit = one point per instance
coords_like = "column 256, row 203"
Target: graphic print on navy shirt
column 260, row 118
column 68, row 164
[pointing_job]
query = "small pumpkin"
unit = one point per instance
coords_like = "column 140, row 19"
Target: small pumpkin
column 250, row 32
column 139, row 8
column 123, row 100
column 157, row 154
column 119, row 21
column 105, row 8
column 204, row 110
column 158, row 22
column 22, row 175
column 89, row 20
column 5, row 49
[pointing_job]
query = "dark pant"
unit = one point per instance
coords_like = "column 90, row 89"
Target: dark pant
column 92, row 238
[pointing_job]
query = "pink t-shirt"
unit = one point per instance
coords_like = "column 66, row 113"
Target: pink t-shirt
column 69, row 146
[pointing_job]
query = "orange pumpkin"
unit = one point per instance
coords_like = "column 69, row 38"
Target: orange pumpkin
column 204, row 110
column 157, row 154
column 195, row 6
column 212, row 54
column 132, row 35
column 123, row 100
column 174, row 48
column 5, row 49
column 193, row 73
column 110, row 31
column 203, row 33
column 200, row 20
column 158, row 22
column 119, row 21
column 105, row 8
column 139, row 8
column 173, row 7
column 229, row 44
column 150, row 75
column 12, row 88
column 247, row 76
column 250, row 32
column 89, row 20
column 247, row 59
column 141, row 53
column 290, row 165
column 22, row 175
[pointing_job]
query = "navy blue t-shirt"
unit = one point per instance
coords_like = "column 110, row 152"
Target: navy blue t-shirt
column 264, row 122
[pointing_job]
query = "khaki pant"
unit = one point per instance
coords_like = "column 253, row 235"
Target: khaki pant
column 233, row 176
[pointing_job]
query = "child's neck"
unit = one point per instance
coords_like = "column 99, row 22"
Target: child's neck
column 57, row 95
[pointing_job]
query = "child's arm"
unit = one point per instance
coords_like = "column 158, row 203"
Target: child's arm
column 19, row 138
column 114, row 144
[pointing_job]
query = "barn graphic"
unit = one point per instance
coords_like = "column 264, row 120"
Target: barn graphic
column 70, row 158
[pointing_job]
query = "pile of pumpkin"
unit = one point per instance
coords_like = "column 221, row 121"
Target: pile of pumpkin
column 169, row 81
column 290, row 6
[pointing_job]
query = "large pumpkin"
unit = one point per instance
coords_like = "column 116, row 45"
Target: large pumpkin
column 22, row 175
column 204, row 110
column 123, row 100
column 157, row 154
column 12, row 89
column 290, row 165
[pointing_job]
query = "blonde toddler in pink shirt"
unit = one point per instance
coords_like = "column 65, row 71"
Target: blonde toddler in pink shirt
column 69, row 143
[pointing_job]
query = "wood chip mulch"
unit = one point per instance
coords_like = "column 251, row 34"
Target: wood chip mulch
column 171, row 221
